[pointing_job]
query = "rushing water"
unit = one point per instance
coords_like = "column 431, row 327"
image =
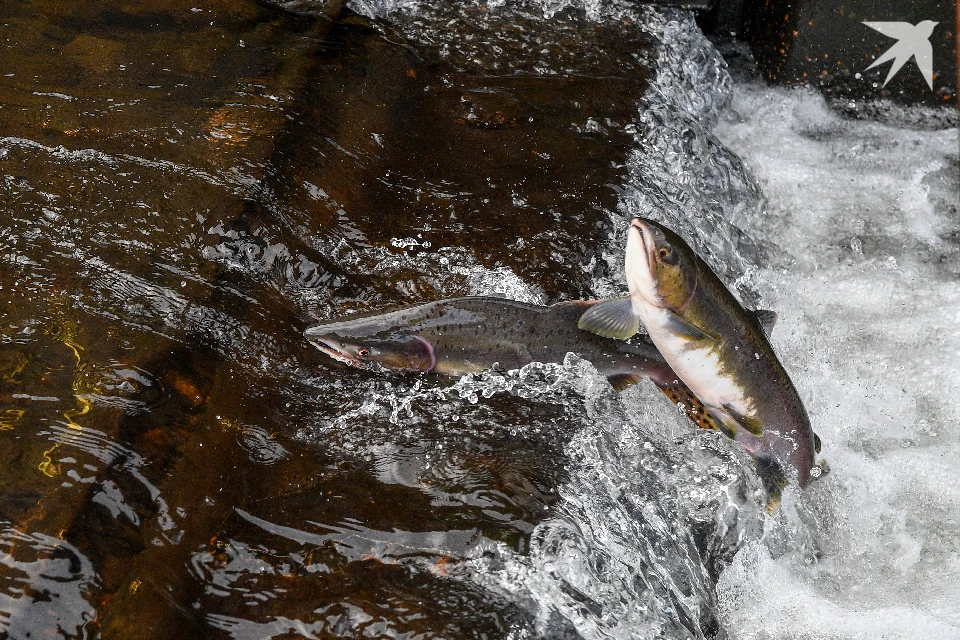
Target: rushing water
column 862, row 227
column 185, row 190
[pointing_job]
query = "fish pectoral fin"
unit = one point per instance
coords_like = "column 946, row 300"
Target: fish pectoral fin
column 750, row 424
column 611, row 319
column 621, row 381
column 682, row 327
column 816, row 443
column 767, row 320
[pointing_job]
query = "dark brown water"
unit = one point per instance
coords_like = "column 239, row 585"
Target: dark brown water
column 185, row 189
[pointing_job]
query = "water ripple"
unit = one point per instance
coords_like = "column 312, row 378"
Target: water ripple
column 46, row 584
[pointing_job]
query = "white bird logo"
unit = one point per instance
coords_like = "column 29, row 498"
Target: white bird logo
column 912, row 41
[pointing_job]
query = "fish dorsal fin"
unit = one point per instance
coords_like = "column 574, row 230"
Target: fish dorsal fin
column 611, row 319
column 621, row 381
column 767, row 320
column 750, row 424
column 682, row 327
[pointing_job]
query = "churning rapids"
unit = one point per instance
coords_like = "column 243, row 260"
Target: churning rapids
column 236, row 483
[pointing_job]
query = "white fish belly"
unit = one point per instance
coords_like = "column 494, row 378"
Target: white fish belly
column 697, row 367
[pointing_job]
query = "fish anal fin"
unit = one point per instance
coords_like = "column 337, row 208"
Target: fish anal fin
column 682, row 327
column 750, row 424
column 611, row 319
column 767, row 320
column 621, row 381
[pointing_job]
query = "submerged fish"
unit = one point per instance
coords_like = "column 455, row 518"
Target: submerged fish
column 467, row 335
column 718, row 348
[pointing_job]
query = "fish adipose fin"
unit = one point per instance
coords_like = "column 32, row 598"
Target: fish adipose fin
column 611, row 319
column 623, row 380
column 750, row 424
column 681, row 327
column 767, row 319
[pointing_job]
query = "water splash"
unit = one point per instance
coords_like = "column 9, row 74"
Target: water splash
column 543, row 10
column 537, row 38
column 650, row 513
column 625, row 553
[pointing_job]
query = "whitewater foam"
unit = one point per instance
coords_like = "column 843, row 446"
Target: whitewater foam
column 861, row 227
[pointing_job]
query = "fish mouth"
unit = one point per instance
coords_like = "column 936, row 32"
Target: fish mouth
column 646, row 239
column 330, row 346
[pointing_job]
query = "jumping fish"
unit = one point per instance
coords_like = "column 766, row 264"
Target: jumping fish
column 467, row 335
column 718, row 348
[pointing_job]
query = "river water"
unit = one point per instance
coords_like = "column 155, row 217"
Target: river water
column 186, row 189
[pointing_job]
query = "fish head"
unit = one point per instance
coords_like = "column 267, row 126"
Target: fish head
column 660, row 267
column 375, row 350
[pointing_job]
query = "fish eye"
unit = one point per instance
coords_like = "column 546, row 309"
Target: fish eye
column 363, row 352
column 664, row 252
